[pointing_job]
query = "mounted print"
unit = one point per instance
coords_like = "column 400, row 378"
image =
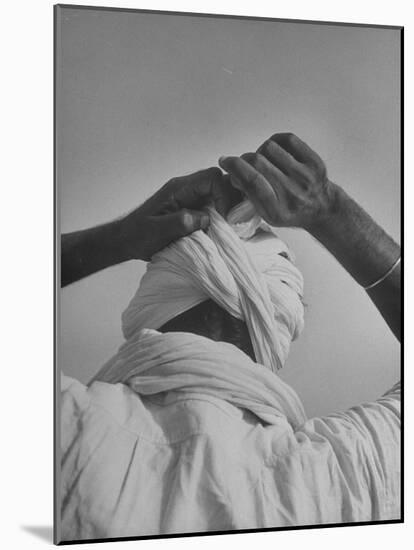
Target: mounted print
column 228, row 274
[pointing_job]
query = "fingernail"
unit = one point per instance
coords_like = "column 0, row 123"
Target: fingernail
column 235, row 182
column 205, row 221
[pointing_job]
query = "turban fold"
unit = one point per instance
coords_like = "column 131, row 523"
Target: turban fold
column 238, row 264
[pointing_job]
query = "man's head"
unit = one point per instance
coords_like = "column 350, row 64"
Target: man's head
column 236, row 283
column 210, row 320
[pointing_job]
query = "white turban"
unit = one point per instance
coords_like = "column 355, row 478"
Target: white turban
column 238, row 265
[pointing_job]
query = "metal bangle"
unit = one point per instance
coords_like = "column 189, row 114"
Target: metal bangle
column 391, row 269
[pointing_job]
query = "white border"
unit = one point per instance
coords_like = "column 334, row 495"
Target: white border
column 26, row 198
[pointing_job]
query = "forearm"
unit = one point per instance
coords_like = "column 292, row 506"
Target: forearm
column 90, row 250
column 170, row 214
column 365, row 250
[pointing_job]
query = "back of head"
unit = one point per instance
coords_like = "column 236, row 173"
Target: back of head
column 210, row 320
column 236, row 283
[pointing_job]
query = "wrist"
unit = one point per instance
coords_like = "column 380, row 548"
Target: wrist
column 134, row 235
column 121, row 249
column 328, row 213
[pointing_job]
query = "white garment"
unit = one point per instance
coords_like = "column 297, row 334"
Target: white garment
column 184, row 434
column 238, row 265
column 178, row 433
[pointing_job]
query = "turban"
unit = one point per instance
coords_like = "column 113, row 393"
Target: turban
column 242, row 265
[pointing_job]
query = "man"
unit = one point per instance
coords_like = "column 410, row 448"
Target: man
column 280, row 468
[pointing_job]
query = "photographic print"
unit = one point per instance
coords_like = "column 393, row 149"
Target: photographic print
column 228, row 274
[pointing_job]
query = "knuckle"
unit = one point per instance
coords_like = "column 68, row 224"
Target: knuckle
column 285, row 138
column 186, row 220
column 251, row 158
column 317, row 165
column 311, row 178
column 173, row 184
column 315, row 173
column 254, row 179
column 276, row 136
column 291, row 138
column 281, row 136
column 214, row 172
column 269, row 149
column 268, row 145
column 174, row 181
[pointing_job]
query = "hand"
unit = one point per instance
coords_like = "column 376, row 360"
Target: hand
column 285, row 180
column 173, row 212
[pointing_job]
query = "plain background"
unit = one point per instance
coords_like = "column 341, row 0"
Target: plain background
column 27, row 274
column 145, row 97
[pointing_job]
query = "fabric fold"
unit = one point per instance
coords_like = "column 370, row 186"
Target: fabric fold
column 241, row 265
column 151, row 363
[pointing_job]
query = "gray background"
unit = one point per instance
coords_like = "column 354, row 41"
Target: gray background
column 145, row 97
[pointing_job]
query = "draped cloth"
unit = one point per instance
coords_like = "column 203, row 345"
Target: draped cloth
column 177, row 433
column 239, row 265
column 180, row 434
column 152, row 363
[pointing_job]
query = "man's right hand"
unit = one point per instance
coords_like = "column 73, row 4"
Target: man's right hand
column 174, row 212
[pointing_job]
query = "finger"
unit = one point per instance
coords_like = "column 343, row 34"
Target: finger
column 171, row 227
column 266, row 167
column 207, row 186
column 282, row 185
column 195, row 190
column 283, row 160
column 298, row 149
column 253, row 183
column 226, row 196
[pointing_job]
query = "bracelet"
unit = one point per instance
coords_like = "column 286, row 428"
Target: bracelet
column 391, row 269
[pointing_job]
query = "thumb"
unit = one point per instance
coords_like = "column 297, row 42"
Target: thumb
column 171, row 227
